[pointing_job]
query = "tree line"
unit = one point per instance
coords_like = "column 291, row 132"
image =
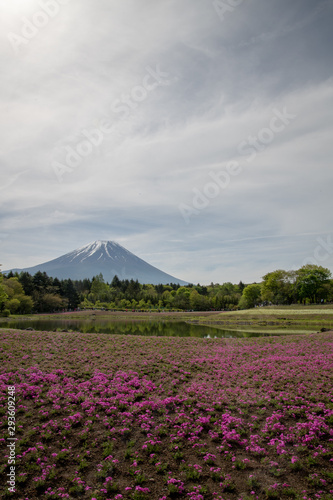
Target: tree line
column 22, row 293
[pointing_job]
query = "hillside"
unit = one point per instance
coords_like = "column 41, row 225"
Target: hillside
column 106, row 257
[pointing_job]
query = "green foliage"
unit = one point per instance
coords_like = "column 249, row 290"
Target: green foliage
column 76, row 490
column 192, row 474
column 277, row 287
column 40, row 485
column 83, row 465
column 112, row 487
column 310, row 282
column 240, row 465
column 107, row 448
column 13, row 305
column 162, row 468
column 99, row 291
column 178, row 455
column 140, row 478
column 198, row 302
column 139, row 495
column 21, row 479
column 251, row 296
column 3, row 294
column 272, row 493
column 50, row 302
column 20, row 294
column 62, row 457
column 297, row 466
column 253, row 483
column 17, row 302
column 290, row 493
column 152, row 448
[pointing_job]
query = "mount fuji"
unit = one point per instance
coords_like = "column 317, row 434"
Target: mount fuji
column 106, row 257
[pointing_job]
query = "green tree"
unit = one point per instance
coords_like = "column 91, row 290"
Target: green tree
column 41, row 281
column 13, row 287
column 51, row 302
column 69, row 291
column 99, row 290
column 85, row 304
column 251, row 296
column 277, row 287
column 149, row 294
column 182, row 298
column 18, row 302
column 310, row 282
column 199, row 302
column 142, row 304
column 13, row 305
column 168, row 299
column 125, row 304
column 224, row 296
column 116, row 283
column 3, row 294
column 133, row 290
column 27, row 282
column 329, row 289
column 26, row 304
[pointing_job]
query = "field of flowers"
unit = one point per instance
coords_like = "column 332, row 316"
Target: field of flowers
column 130, row 417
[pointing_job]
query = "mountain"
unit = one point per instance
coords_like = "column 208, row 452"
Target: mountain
column 106, row 257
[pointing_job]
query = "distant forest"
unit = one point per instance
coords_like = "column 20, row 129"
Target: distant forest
column 24, row 294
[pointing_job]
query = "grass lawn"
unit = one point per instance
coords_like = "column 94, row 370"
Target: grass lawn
column 292, row 319
column 130, row 417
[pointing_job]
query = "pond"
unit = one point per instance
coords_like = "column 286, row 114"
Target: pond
column 157, row 328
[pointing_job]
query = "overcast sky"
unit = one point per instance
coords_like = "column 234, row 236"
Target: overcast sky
column 197, row 134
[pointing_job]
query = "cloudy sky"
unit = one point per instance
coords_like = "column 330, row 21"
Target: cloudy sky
column 198, row 134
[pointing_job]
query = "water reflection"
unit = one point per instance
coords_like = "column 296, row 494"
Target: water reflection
column 127, row 327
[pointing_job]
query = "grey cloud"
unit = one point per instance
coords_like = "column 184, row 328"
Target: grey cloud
column 225, row 80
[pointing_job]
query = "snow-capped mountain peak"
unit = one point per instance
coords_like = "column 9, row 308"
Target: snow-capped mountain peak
column 106, row 257
column 98, row 249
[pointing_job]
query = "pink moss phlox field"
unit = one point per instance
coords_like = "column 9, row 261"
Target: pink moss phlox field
column 129, row 417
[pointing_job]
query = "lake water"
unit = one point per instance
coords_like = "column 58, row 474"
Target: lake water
column 157, row 328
